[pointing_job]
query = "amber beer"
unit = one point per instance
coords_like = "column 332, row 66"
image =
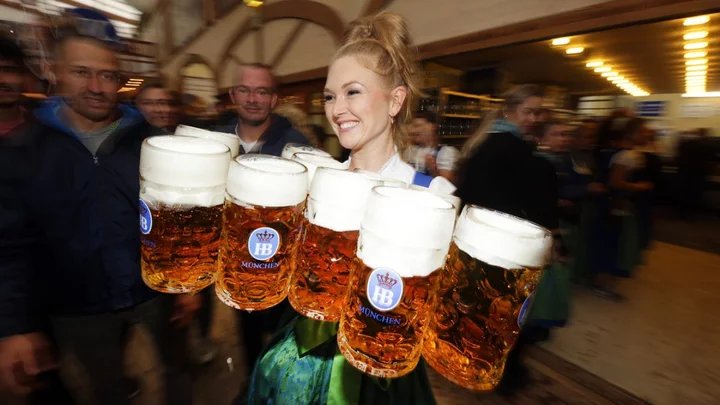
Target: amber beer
column 182, row 182
column 232, row 141
column 494, row 265
column 404, row 239
column 263, row 212
column 328, row 242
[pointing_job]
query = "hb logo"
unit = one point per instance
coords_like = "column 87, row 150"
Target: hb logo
column 145, row 218
column 263, row 243
column 525, row 309
column 384, row 289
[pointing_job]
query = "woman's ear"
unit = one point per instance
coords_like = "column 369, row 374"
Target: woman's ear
column 397, row 99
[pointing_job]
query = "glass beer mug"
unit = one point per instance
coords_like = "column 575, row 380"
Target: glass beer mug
column 292, row 148
column 328, row 241
column 263, row 212
column 182, row 183
column 313, row 162
column 230, row 140
column 494, row 265
column 404, row 239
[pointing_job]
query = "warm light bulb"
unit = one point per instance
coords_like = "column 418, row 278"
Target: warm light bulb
column 603, row 69
column 696, row 20
column 696, row 45
column 560, row 41
column 574, row 51
column 688, row 74
column 594, row 64
column 696, row 67
column 695, row 35
column 609, row 74
column 691, row 55
column 696, row 62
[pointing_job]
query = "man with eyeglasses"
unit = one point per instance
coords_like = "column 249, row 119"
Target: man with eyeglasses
column 259, row 130
column 69, row 231
column 159, row 107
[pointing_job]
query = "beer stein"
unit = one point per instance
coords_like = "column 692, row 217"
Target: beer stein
column 328, row 242
column 182, row 182
column 494, row 265
column 230, row 140
column 313, row 162
column 404, row 239
column 292, row 148
column 263, row 212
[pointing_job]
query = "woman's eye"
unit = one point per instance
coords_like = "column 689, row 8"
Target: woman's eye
column 329, row 98
column 352, row 92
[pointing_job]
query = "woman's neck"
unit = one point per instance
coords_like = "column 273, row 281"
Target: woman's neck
column 373, row 155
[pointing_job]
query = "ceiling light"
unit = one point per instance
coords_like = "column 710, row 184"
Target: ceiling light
column 691, row 55
column 696, row 67
column 609, row 74
column 560, row 41
column 687, row 74
column 593, row 64
column 709, row 94
column 695, row 35
column 602, row 69
column 620, row 82
column 574, row 51
column 696, row 62
column 696, row 45
column 694, row 80
column 696, row 20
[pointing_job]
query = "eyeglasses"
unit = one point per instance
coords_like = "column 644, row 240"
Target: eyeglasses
column 259, row 92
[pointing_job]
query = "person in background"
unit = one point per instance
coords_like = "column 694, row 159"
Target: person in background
column 255, row 96
column 260, row 131
column 12, row 78
column 497, row 170
column 299, row 120
column 159, row 107
column 69, row 229
column 48, row 388
column 428, row 156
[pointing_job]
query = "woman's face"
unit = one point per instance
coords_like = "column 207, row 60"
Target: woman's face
column 527, row 115
column 359, row 105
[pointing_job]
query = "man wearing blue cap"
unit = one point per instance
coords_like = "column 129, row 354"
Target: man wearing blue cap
column 69, row 232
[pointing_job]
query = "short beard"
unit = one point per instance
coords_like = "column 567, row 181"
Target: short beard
column 252, row 122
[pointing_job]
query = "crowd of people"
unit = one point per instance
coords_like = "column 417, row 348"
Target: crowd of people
column 69, row 243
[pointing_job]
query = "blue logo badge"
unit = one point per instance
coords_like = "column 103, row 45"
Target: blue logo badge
column 145, row 218
column 525, row 309
column 384, row 289
column 263, row 243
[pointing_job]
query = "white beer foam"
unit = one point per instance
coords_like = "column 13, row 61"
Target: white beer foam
column 502, row 240
column 230, row 140
column 267, row 181
column 406, row 230
column 338, row 199
column 184, row 162
column 292, row 148
column 154, row 194
column 455, row 201
column 313, row 162
column 386, row 181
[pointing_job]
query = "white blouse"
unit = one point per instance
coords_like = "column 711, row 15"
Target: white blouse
column 395, row 168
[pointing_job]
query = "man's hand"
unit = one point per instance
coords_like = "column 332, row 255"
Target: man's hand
column 22, row 359
column 185, row 307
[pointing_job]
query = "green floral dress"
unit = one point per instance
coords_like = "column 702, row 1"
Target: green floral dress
column 303, row 365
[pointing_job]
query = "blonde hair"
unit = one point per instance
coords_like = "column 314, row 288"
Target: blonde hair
column 512, row 99
column 382, row 44
column 298, row 119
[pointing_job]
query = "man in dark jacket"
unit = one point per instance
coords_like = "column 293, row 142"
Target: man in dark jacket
column 260, row 131
column 69, row 231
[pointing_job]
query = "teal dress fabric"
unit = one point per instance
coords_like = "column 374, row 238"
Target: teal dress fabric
column 303, row 366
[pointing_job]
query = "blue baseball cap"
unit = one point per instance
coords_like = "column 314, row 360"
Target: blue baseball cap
column 94, row 24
